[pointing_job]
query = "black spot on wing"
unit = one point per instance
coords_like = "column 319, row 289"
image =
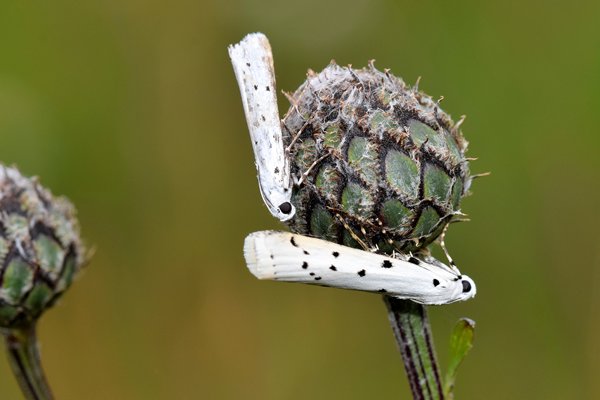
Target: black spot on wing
column 333, row 268
column 304, row 265
column 268, row 89
column 293, row 242
column 317, row 278
column 386, row 264
column 312, row 274
column 362, row 273
column 306, row 252
column 436, row 282
column 414, row 260
column 247, row 64
column 336, row 254
column 382, row 291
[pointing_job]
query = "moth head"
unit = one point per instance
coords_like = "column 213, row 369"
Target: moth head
column 465, row 288
column 286, row 208
column 285, row 211
column 279, row 204
column 450, row 288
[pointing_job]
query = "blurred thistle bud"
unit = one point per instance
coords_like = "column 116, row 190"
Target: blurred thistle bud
column 381, row 162
column 40, row 248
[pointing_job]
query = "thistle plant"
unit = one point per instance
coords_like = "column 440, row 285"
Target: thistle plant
column 364, row 161
column 383, row 167
column 40, row 254
column 385, row 163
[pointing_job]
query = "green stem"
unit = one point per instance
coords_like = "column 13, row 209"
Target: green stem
column 23, row 354
column 413, row 335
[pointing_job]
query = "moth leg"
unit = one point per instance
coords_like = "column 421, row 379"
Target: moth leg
column 352, row 233
column 372, row 246
column 293, row 103
column 295, row 138
column 314, row 164
column 288, row 151
column 388, row 237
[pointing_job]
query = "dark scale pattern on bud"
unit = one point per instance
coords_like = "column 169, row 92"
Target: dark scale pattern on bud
column 40, row 248
column 381, row 156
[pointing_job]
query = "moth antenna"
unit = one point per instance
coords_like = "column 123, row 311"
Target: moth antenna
column 443, row 246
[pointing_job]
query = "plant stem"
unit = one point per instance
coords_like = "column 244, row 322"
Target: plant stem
column 413, row 335
column 23, row 354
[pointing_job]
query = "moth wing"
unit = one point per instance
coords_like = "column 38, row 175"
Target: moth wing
column 252, row 62
column 284, row 256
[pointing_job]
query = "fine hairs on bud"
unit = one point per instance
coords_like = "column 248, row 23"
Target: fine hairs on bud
column 40, row 248
column 381, row 164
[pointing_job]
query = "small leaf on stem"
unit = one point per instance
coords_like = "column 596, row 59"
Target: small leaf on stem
column 461, row 343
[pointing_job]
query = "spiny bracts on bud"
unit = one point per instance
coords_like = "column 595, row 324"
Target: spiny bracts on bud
column 383, row 164
column 40, row 248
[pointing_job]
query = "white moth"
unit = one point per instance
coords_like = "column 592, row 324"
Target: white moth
column 284, row 256
column 253, row 65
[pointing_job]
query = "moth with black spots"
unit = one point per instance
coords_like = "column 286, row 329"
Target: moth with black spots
column 291, row 257
column 282, row 256
column 252, row 62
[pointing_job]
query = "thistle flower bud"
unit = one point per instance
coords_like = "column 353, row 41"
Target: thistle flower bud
column 40, row 248
column 381, row 162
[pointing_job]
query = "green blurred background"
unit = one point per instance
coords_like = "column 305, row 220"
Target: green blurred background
column 131, row 109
